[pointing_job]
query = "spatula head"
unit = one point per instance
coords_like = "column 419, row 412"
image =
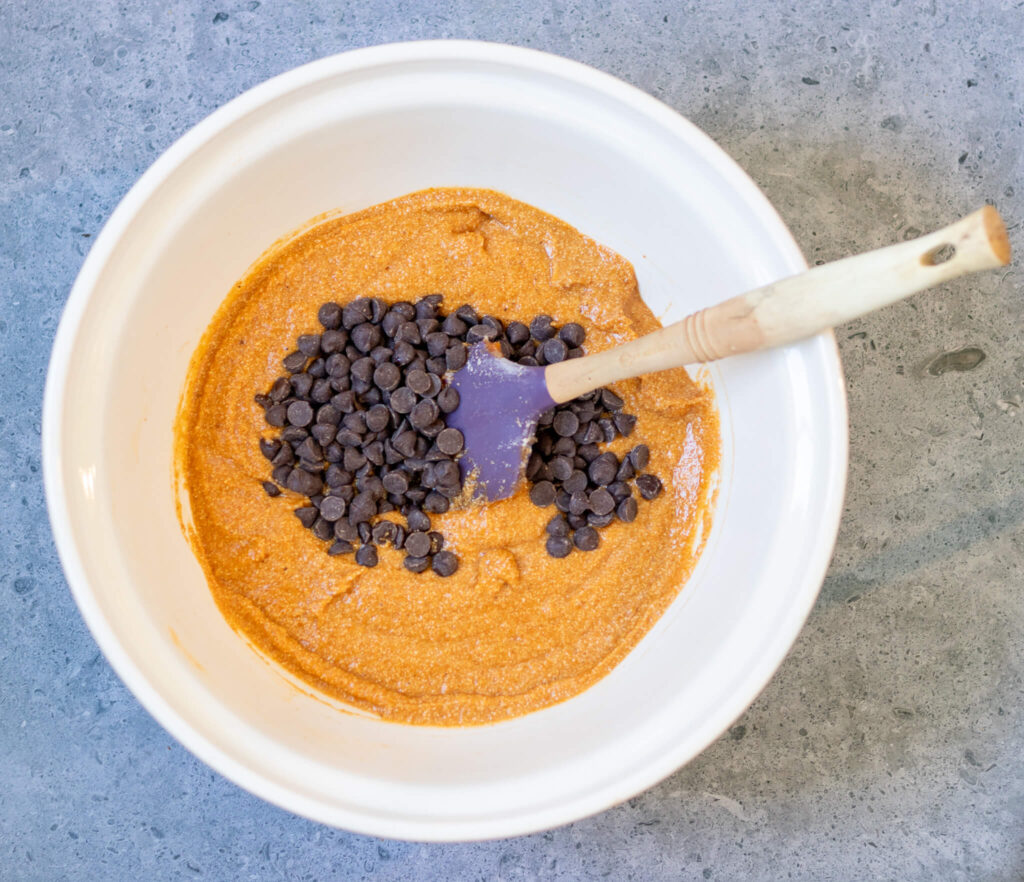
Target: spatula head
column 499, row 404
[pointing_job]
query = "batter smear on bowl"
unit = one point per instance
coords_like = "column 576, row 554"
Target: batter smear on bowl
column 506, row 620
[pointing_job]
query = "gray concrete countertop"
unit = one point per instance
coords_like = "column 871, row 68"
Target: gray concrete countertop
column 889, row 744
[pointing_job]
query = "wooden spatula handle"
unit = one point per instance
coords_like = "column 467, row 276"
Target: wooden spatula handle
column 797, row 307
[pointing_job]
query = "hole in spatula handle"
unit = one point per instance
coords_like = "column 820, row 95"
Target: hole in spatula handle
column 939, row 254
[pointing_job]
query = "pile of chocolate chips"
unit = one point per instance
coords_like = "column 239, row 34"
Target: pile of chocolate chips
column 361, row 413
column 589, row 487
column 362, row 429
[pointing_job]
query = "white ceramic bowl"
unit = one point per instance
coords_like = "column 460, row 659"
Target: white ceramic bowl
column 350, row 131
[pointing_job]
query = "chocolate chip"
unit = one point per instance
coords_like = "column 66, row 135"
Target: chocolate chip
column 294, row 362
column 322, row 529
column 564, row 447
column 427, row 306
column 578, row 503
column 374, row 452
column 356, row 312
column 348, row 438
column 467, row 314
column 557, row 526
column 436, row 503
column 418, row 381
column 626, row 470
column 396, row 482
column 321, row 392
column 355, row 422
column 620, row 490
column 332, row 508
column 627, row 510
column 365, row 532
column 572, row 334
column 402, row 400
column 340, row 546
column 416, row 564
column 269, row 448
column 346, row 531
column 417, row 521
column 281, row 474
column 276, row 415
column 540, row 328
column 448, row 399
column 554, row 350
column 611, row 401
column 576, row 482
column 408, row 332
column 309, row 345
column 417, row 544
column 542, row 494
column 344, row 401
column 450, row 441
column 404, row 309
column 365, row 336
column 602, row 469
column 281, row 389
column 333, row 342
column 639, row 456
column 329, row 315
column 481, row 332
column 383, row 532
column 601, row 501
column 454, row 326
column 625, row 423
column 271, row 488
column 307, row 515
column 586, row 538
column 566, row 423
column 592, row 434
column 387, row 376
column 377, row 418
column 576, row 520
column 309, row 450
column 424, row 413
column 366, row 556
column 362, row 508
column 559, row 546
column 436, row 541
column 599, row 521
column 446, row 473
column 649, row 486
column 405, row 443
column 337, row 476
column 560, row 467
column 517, row 333
column 445, row 563
column 437, row 342
column 405, row 353
column 301, row 481
column 455, row 357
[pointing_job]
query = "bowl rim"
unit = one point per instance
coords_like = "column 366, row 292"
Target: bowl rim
column 803, row 593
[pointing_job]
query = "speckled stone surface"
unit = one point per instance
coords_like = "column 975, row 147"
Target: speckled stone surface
column 889, row 745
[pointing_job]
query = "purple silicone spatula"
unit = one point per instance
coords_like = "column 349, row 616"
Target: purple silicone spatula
column 500, row 402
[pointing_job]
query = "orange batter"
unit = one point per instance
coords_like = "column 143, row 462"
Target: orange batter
column 513, row 630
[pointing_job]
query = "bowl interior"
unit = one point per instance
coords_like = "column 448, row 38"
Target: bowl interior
column 346, row 133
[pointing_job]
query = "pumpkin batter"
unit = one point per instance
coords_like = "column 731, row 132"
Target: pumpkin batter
column 513, row 630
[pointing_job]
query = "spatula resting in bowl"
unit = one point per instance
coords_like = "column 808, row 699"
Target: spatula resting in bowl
column 500, row 402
